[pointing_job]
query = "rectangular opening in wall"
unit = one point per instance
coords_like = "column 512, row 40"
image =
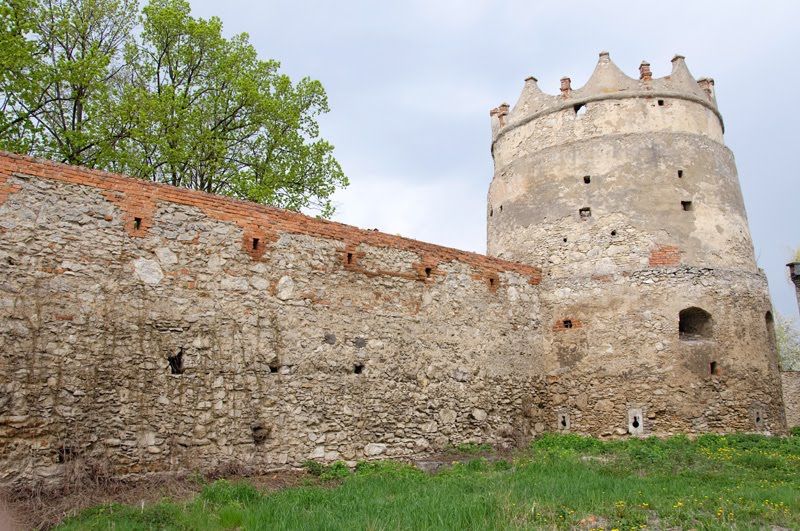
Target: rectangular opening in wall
column 349, row 258
column 585, row 212
column 65, row 453
column 428, row 272
column 758, row 418
column 587, row 179
column 680, row 174
column 567, row 323
column 176, row 362
column 137, row 223
column 687, row 205
column 713, row 369
column 260, row 433
column 358, row 368
column 563, row 421
column 635, row 422
column 273, row 368
column 660, row 103
column 255, row 244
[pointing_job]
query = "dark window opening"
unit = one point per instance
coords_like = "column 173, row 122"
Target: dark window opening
column 65, row 453
column 770, row 322
column 137, row 223
column 565, row 240
column 176, row 362
column 585, row 212
column 563, row 421
column 587, row 179
column 349, row 258
column 713, row 369
column 273, row 368
column 660, row 103
column 491, row 212
column 567, row 323
column 255, row 243
column 501, row 208
column 687, row 205
column 635, row 422
column 358, row 368
column 428, row 271
column 680, row 174
column 613, row 233
column 491, row 282
column 260, row 433
column 694, row 323
column 758, row 417
column 579, row 109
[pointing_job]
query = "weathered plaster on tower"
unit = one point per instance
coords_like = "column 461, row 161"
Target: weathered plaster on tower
column 623, row 192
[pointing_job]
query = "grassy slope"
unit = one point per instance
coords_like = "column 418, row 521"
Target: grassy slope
column 715, row 482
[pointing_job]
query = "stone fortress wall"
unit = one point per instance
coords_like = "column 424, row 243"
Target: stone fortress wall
column 790, row 381
column 156, row 329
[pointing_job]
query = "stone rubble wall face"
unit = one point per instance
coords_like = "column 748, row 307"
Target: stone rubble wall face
column 626, row 352
column 791, row 397
column 92, row 307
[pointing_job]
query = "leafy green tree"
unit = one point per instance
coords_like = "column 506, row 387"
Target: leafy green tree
column 18, row 76
column 174, row 102
column 64, row 73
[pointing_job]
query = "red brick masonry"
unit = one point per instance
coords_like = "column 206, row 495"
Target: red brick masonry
column 665, row 255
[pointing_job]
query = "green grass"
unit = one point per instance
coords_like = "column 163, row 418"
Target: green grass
column 562, row 481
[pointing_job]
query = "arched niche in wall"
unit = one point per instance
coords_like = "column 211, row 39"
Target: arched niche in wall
column 694, row 323
column 769, row 322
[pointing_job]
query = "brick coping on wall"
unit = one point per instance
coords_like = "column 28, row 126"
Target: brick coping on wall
column 262, row 224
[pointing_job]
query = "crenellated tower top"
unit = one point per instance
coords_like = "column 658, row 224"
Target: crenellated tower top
column 644, row 158
column 607, row 82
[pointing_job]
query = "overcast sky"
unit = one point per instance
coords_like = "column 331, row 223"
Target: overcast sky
column 411, row 83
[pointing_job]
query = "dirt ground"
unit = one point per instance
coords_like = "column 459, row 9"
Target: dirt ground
column 90, row 486
column 43, row 509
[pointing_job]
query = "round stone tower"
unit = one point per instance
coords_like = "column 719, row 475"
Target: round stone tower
column 655, row 317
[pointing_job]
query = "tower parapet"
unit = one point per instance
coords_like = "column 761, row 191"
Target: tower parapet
column 615, row 170
column 608, row 83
